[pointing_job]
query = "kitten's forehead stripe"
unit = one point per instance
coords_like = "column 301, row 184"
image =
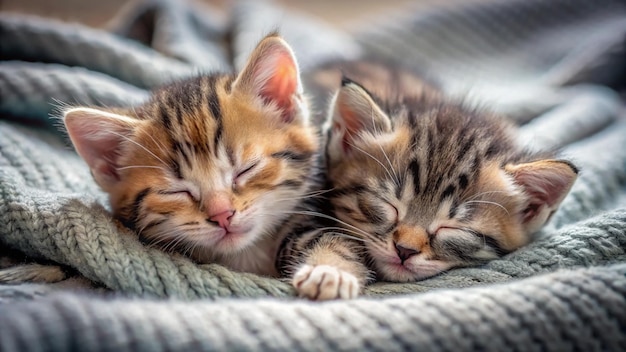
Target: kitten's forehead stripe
column 174, row 104
column 179, row 150
column 448, row 192
column 175, row 166
column 453, row 210
column 463, row 182
column 492, row 150
column 217, row 138
column 212, row 99
column 164, row 117
column 414, row 167
column 467, row 145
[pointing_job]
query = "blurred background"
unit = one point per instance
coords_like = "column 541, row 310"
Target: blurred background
column 97, row 13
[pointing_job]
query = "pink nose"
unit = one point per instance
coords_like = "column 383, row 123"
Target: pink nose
column 223, row 218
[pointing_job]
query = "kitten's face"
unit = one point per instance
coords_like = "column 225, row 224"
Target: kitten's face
column 210, row 164
column 435, row 189
column 217, row 191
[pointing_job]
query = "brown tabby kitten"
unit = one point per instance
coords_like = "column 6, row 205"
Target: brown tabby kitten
column 211, row 166
column 420, row 184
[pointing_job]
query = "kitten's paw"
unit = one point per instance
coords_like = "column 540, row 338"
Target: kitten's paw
column 324, row 282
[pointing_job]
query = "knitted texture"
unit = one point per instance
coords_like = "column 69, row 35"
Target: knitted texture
column 553, row 66
column 558, row 312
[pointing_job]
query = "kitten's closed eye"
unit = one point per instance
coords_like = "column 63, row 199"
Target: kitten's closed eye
column 245, row 172
column 374, row 209
column 390, row 212
column 187, row 194
column 185, row 189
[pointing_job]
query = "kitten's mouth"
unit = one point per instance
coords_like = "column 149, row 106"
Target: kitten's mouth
column 237, row 230
column 234, row 237
column 398, row 266
column 394, row 264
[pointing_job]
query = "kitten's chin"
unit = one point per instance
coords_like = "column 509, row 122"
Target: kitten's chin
column 235, row 239
column 411, row 270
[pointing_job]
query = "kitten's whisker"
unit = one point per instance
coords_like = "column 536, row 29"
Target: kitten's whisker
column 491, row 203
column 181, row 237
column 319, row 192
column 166, row 240
column 373, row 158
column 395, row 174
column 191, row 246
column 395, row 178
column 158, row 145
column 378, row 243
column 308, row 195
column 298, row 198
column 484, row 193
column 345, row 235
column 321, row 215
column 367, row 239
column 139, row 145
column 324, row 229
column 170, row 237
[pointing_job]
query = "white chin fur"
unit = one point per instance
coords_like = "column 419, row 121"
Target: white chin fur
column 414, row 269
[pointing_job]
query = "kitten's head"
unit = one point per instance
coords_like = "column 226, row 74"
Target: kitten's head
column 431, row 185
column 211, row 163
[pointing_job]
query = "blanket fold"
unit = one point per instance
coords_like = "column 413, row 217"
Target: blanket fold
column 558, row 68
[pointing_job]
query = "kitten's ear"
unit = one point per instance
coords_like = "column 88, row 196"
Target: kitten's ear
column 97, row 136
column 355, row 112
column 545, row 183
column 272, row 74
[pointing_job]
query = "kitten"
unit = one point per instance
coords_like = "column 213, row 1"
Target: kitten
column 211, row 166
column 420, row 184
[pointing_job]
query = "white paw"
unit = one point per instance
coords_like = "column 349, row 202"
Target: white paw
column 324, row 282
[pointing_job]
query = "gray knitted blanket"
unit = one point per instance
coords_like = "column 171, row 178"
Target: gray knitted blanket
column 556, row 67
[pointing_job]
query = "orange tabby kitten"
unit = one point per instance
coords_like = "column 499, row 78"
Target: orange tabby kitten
column 420, row 184
column 210, row 166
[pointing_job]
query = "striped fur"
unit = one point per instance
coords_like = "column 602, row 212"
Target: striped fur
column 211, row 166
column 420, row 184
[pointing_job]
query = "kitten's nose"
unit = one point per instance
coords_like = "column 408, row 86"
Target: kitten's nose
column 223, row 218
column 405, row 253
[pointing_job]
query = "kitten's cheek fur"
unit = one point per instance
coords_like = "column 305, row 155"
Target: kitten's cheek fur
column 325, row 282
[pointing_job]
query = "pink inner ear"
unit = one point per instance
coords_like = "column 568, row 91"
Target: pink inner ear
column 282, row 84
column 351, row 123
column 98, row 148
column 97, row 137
column 546, row 183
column 106, row 163
column 544, row 187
